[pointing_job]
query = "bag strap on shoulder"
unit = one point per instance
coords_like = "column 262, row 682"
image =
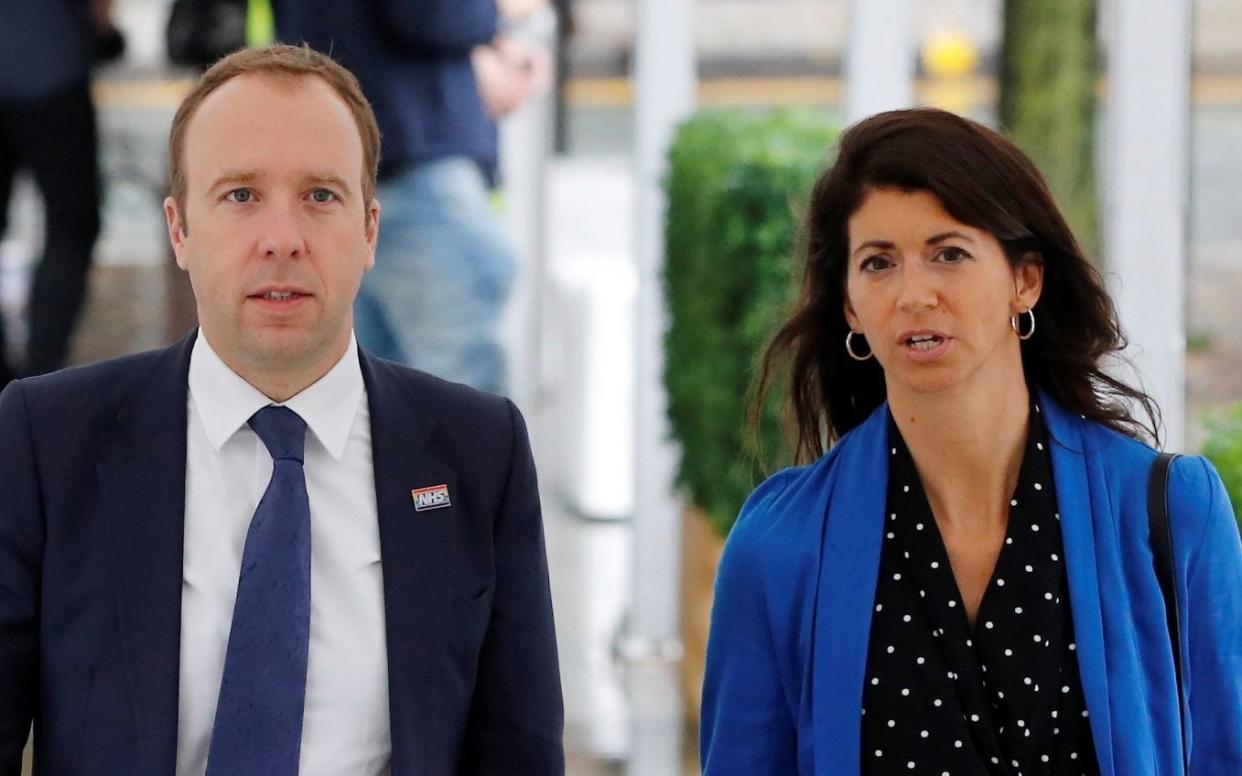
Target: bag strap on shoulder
column 1166, row 574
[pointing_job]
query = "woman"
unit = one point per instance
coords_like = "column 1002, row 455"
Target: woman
column 964, row 583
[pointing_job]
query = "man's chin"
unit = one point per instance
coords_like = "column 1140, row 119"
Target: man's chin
column 284, row 349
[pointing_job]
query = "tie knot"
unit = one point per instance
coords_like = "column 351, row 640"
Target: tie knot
column 282, row 430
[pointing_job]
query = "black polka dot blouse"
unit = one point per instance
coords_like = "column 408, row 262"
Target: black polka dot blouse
column 1001, row 698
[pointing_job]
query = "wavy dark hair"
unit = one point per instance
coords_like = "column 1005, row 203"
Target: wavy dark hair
column 986, row 182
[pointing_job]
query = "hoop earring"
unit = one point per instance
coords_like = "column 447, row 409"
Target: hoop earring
column 1017, row 326
column 849, row 348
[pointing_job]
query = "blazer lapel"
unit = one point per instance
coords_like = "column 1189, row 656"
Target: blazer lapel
column 843, row 608
column 142, row 488
column 416, row 549
column 1069, row 469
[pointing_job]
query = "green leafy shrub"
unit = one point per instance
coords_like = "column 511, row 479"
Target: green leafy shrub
column 1224, row 449
column 737, row 191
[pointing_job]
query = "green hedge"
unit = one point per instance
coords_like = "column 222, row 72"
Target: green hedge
column 737, row 190
column 1224, row 448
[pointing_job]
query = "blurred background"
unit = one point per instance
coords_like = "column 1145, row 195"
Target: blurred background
column 653, row 194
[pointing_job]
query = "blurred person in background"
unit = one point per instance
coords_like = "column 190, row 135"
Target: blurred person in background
column 48, row 129
column 965, row 583
column 439, row 74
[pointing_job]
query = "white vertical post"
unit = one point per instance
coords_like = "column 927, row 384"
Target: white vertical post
column 1145, row 235
column 665, row 82
column 525, row 152
column 665, row 85
column 879, row 58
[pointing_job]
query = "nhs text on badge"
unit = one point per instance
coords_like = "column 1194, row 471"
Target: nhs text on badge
column 435, row 497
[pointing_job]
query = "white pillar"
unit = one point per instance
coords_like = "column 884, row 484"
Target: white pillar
column 879, row 58
column 665, row 82
column 525, row 152
column 1147, row 179
column 665, row 85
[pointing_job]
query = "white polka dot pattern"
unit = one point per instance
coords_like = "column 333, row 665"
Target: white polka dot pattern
column 943, row 696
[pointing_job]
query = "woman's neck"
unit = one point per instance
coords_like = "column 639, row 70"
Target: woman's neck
column 968, row 445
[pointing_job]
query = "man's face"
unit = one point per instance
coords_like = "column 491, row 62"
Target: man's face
column 273, row 229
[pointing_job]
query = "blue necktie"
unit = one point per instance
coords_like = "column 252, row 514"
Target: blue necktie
column 258, row 727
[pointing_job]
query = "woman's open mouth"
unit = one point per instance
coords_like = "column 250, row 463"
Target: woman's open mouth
column 924, row 342
column 926, row 346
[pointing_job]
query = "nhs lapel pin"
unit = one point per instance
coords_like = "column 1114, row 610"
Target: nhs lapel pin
column 434, row 497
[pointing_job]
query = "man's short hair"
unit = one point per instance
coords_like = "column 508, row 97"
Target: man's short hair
column 285, row 62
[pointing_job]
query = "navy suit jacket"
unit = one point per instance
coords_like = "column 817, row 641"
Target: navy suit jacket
column 92, row 504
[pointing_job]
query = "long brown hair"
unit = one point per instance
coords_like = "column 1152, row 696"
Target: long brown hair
column 986, row 182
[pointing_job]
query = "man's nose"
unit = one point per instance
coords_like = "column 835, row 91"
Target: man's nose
column 282, row 235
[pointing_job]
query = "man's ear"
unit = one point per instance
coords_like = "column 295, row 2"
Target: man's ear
column 372, row 236
column 1028, row 281
column 176, row 230
column 373, row 230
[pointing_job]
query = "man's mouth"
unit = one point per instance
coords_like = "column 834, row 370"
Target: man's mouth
column 277, row 295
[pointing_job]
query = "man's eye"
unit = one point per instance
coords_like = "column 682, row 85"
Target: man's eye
column 323, row 196
column 240, row 196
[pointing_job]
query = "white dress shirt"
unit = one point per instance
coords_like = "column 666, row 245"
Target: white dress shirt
column 346, row 726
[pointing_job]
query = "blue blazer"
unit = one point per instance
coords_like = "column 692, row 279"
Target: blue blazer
column 796, row 585
column 92, row 505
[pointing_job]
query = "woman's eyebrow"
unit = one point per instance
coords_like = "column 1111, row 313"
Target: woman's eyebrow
column 939, row 238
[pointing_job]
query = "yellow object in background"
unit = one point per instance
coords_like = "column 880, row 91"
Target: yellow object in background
column 260, row 24
column 949, row 54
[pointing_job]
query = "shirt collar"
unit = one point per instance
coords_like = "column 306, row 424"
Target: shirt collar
column 225, row 401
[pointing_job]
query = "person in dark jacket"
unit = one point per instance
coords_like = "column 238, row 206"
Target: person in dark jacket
column 47, row 128
column 445, row 267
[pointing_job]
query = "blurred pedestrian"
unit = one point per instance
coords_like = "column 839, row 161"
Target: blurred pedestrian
column 47, row 128
column 439, row 73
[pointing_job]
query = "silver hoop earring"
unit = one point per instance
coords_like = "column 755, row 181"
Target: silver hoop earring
column 849, row 348
column 1016, row 325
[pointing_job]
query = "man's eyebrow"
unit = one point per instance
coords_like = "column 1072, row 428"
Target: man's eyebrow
column 329, row 179
column 233, row 177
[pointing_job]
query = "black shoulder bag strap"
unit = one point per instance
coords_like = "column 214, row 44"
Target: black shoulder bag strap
column 1166, row 573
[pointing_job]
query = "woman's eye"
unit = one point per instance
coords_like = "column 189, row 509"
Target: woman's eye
column 240, row 196
column 875, row 263
column 952, row 254
column 323, row 196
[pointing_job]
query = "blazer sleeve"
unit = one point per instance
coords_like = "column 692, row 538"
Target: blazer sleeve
column 1213, row 638
column 517, row 718
column 445, row 28
column 21, row 552
column 747, row 727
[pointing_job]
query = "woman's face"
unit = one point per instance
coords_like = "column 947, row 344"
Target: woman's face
column 932, row 295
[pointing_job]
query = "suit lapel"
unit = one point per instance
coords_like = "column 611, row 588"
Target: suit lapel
column 142, row 487
column 848, row 570
column 416, row 550
column 1069, row 471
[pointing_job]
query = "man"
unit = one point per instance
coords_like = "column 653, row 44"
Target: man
column 262, row 550
column 47, row 128
column 445, row 266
